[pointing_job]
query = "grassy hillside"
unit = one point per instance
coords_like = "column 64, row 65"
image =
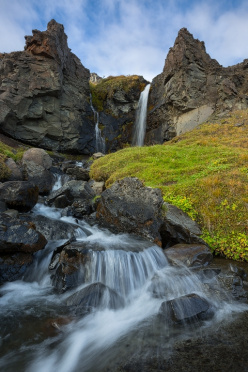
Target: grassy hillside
column 204, row 172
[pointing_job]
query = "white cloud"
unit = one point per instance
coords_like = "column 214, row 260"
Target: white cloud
column 130, row 36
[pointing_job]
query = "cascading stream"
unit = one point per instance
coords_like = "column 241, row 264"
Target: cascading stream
column 140, row 121
column 135, row 269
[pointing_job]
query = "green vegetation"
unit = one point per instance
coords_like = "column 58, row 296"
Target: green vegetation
column 107, row 87
column 203, row 172
column 7, row 152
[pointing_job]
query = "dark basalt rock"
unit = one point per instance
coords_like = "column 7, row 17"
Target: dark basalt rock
column 16, row 171
column 190, row 255
column 191, row 88
column 178, row 227
column 45, row 94
column 20, row 195
column 19, row 236
column 14, row 266
column 51, row 229
column 185, row 309
column 130, row 207
column 96, row 295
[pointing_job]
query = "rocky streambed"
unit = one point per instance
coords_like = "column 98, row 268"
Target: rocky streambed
column 116, row 283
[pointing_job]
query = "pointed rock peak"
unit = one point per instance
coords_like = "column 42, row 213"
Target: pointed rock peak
column 187, row 51
column 51, row 43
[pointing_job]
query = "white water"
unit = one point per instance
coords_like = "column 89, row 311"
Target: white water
column 131, row 266
column 100, row 141
column 140, row 121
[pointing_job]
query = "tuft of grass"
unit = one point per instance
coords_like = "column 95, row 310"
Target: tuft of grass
column 204, row 172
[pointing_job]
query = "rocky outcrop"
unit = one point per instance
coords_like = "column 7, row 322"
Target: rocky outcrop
column 191, row 88
column 116, row 99
column 190, row 255
column 44, row 94
column 129, row 206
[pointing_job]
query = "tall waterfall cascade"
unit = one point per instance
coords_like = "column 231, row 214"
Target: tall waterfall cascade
column 140, row 121
column 100, row 140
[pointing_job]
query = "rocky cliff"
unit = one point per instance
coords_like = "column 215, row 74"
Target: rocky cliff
column 116, row 99
column 45, row 95
column 191, row 88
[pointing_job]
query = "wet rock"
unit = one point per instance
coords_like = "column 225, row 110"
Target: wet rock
column 19, row 236
column 70, row 191
column 178, row 227
column 190, row 255
column 51, row 229
column 14, row 266
column 185, row 309
column 96, row 295
column 20, row 195
column 71, row 267
column 121, row 208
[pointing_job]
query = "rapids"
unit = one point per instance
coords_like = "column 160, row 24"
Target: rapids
column 39, row 334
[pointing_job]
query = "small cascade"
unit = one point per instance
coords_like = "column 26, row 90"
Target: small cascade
column 140, row 121
column 100, row 141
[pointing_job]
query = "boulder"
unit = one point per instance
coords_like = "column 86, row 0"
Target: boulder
column 178, row 227
column 20, row 195
column 96, row 295
column 97, row 187
column 78, row 173
column 190, row 255
column 77, row 194
column 68, row 267
column 45, row 94
column 129, row 206
column 19, row 236
column 16, row 171
column 49, row 228
column 36, row 165
column 37, row 156
column 184, row 309
column 14, row 266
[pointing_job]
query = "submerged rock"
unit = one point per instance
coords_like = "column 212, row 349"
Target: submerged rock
column 185, row 309
column 20, row 195
column 96, row 295
column 190, row 255
column 14, row 266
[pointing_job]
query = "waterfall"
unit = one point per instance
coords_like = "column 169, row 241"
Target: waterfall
column 100, row 141
column 140, row 121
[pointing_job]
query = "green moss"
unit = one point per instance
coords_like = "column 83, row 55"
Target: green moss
column 203, row 172
column 107, row 87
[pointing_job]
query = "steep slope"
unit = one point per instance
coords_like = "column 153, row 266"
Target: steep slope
column 45, row 95
column 191, row 88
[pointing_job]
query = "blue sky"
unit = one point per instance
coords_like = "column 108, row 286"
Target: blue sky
column 113, row 37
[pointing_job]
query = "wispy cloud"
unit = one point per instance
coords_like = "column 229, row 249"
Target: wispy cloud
column 130, row 36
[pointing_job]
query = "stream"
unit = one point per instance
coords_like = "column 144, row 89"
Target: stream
column 39, row 333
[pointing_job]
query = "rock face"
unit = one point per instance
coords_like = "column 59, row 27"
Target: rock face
column 44, row 94
column 116, row 99
column 192, row 87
